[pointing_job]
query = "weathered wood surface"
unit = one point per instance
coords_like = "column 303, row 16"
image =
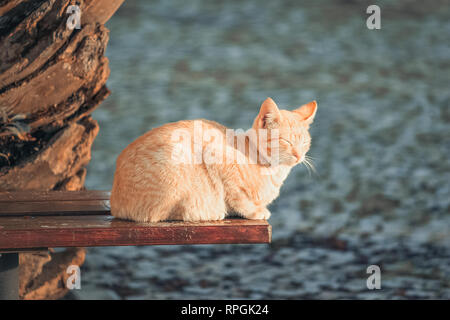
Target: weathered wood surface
column 50, row 203
column 51, row 79
column 48, row 272
column 104, row 230
column 40, row 219
column 58, row 195
column 39, row 208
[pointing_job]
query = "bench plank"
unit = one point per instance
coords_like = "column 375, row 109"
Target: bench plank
column 84, row 195
column 37, row 219
column 103, row 230
column 38, row 203
column 55, row 207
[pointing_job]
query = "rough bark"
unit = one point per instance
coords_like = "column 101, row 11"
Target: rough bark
column 46, row 273
column 51, row 79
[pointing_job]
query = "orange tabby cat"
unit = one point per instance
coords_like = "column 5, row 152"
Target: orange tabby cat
column 153, row 182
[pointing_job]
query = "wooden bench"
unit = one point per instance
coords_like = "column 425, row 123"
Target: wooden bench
column 31, row 221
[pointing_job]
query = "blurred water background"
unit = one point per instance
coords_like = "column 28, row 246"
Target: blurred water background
column 380, row 143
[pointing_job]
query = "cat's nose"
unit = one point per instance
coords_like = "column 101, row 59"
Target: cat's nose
column 298, row 156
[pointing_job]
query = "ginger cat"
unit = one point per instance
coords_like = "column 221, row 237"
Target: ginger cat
column 154, row 182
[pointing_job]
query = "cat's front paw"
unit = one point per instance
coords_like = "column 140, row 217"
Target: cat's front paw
column 262, row 214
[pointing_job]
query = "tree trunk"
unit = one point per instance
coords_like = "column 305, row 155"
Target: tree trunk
column 51, row 79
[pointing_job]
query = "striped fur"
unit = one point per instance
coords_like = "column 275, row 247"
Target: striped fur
column 150, row 186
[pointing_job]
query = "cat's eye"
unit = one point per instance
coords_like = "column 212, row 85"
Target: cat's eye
column 287, row 141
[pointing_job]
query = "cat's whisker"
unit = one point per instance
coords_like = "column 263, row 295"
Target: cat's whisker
column 313, row 167
column 309, row 165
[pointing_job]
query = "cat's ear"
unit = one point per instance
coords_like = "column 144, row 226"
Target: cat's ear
column 307, row 111
column 269, row 115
